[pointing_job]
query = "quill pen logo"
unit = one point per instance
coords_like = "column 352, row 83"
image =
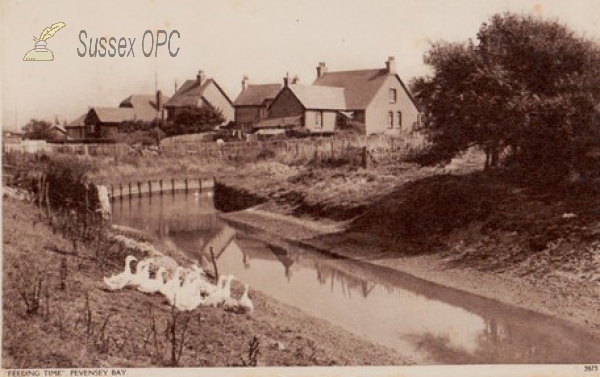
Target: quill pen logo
column 40, row 52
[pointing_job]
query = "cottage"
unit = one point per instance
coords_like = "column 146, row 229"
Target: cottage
column 316, row 107
column 197, row 93
column 252, row 104
column 376, row 98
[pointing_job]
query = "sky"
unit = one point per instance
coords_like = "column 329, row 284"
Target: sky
column 264, row 39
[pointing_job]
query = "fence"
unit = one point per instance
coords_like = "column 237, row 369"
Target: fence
column 158, row 187
column 378, row 147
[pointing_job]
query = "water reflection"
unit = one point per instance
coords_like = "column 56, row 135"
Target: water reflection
column 431, row 323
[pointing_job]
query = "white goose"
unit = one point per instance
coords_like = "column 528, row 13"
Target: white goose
column 222, row 293
column 153, row 285
column 120, row 280
column 142, row 273
column 245, row 304
column 171, row 287
column 188, row 297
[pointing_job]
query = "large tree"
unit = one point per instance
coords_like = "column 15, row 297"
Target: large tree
column 38, row 130
column 525, row 84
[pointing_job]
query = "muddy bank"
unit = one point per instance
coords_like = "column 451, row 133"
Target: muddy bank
column 97, row 328
column 574, row 302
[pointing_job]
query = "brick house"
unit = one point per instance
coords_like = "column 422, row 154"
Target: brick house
column 376, row 98
column 252, row 104
column 315, row 107
column 197, row 93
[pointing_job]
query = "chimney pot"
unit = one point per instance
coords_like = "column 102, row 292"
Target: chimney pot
column 321, row 69
column 295, row 80
column 286, row 79
column 245, row 81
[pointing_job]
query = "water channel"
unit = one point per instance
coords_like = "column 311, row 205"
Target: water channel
column 428, row 322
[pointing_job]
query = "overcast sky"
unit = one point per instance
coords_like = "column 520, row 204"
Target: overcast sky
column 229, row 39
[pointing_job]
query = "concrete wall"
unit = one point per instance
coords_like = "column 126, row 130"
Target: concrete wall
column 377, row 112
column 286, row 104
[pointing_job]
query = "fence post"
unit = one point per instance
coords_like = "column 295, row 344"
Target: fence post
column 365, row 159
column 121, row 190
column 139, row 184
column 172, row 186
column 129, row 184
column 150, row 188
column 186, row 185
column 161, row 187
column 200, row 184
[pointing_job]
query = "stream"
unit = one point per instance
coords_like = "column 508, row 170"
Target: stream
column 430, row 323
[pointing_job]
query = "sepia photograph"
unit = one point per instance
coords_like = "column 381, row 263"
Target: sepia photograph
column 300, row 188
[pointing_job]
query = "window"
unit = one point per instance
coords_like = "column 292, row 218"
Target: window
column 399, row 120
column 319, row 119
column 393, row 95
column 391, row 119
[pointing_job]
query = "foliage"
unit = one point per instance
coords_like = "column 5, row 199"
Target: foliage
column 194, row 120
column 528, row 85
column 38, row 130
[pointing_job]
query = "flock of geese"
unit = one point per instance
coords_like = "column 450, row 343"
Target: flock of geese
column 186, row 289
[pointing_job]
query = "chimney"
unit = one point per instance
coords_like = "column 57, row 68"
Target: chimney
column 245, row 81
column 296, row 80
column 391, row 65
column 200, row 77
column 321, row 69
column 286, row 79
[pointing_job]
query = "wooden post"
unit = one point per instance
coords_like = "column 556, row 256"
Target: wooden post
column 172, row 186
column 161, row 187
column 121, row 190
column 365, row 160
column 150, row 188
column 129, row 184
column 112, row 192
column 200, row 184
column 186, row 185
column 139, row 184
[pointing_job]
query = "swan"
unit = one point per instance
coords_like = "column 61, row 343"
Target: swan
column 153, row 285
column 245, row 304
column 119, row 281
column 142, row 273
column 171, row 287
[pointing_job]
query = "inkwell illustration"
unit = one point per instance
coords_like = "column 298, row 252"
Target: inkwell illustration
column 40, row 52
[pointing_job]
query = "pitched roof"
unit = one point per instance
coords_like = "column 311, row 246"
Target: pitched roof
column 114, row 114
column 361, row 86
column 143, row 105
column 191, row 92
column 319, row 97
column 255, row 95
column 77, row 122
column 59, row 127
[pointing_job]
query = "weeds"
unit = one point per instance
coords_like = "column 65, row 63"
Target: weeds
column 253, row 352
column 32, row 297
column 175, row 334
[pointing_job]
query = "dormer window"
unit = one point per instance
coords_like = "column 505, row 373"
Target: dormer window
column 393, row 95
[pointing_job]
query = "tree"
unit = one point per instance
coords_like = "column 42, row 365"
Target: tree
column 38, row 130
column 527, row 85
column 194, row 120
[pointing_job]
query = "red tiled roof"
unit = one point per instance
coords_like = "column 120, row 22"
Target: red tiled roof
column 255, row 95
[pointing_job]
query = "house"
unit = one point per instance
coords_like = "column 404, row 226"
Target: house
column 146, row 107
column 197, row 93
column 315, row 108
column 58, row 132
column 376, row 98
column 252, row 104
column 104, row 122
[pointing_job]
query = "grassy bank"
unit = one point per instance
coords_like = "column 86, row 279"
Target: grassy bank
column 57, row 314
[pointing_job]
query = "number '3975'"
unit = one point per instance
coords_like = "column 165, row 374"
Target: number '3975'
column 590, row 368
